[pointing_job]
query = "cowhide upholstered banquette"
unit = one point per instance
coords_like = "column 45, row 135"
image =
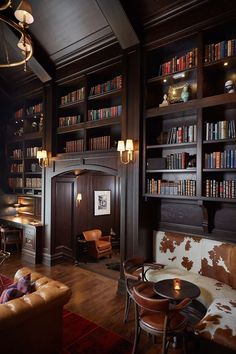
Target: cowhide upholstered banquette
column 209, row 264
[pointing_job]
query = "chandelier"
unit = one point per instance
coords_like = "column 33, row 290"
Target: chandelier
column 25, row 46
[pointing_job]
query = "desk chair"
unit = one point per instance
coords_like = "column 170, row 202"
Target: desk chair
column 10, row 237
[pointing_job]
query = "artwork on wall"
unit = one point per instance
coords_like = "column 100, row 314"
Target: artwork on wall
column 102, row 202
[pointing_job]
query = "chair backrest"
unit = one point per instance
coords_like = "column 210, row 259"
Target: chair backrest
column 151, row 304
column 133, row 268
column 91, row 235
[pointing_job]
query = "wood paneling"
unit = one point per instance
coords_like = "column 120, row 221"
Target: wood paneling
column 63, row 205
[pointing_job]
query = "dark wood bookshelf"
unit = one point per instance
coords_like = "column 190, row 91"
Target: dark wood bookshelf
column 71, row 104
column 219, row 170
column 105, row 95
column 173, row 108
column 177, row 170
column 71, row 128
column 221, row 141
column 155, row 79
column 102, row 122
column 33, row 115
column 171, row 146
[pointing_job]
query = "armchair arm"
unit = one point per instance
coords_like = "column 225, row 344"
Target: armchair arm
column 105, row 238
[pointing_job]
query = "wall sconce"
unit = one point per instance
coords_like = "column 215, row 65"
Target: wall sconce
column 42, row 156
column 78, row 199
column 126, row 149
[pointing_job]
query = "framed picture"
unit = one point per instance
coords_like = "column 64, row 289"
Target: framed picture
column 174, row 92
column 102, row 203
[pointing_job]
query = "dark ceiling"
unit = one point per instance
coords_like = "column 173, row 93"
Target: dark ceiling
column 65, row 30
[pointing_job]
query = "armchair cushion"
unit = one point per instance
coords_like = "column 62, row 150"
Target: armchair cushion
column 103, row 245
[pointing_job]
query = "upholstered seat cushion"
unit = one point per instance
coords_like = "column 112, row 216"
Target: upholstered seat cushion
column 157, row 320
column 219, row 323
column 103, row 245
column 211, row 289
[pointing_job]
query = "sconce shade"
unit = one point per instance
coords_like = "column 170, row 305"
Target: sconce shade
column 24, row 12
column 42, row 154
column 129, row 145
column 79, row 197
column 121, row 145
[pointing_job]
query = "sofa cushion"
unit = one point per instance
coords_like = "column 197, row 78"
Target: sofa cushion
column 103, row 245
column 219, row 323
column 10, row 294
column 178, row 250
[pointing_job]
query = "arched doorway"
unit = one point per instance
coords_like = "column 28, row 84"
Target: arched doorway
column 70, row 218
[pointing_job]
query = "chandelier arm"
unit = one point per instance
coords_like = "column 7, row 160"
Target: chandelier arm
column 22, row 32
column 4, row 7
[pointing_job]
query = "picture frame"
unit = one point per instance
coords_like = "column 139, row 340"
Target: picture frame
column 102, row 202
column 174, row 92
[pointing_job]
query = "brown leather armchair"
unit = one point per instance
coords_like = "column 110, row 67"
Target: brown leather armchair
column 98, row 245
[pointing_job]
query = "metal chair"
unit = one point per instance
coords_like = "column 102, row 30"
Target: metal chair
column 135, row 270
column 158, row 317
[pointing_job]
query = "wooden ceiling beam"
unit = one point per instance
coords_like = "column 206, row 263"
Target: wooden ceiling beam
column 40, row 63
column 119, row 22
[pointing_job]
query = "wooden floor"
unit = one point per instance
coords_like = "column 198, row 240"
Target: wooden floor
column 93, row 296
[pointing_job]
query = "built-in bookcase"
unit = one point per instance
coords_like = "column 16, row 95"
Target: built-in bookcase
column 89, row 111
column 190, row 143
column 25, row 131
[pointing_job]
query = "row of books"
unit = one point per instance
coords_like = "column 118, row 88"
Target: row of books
column 95, row 114
column 220, row 189
column 220, row 50
column 221, row 130
column 34, row 182
column 177, row 161
column 100, row 143
column 69, row 120
column 37, row 108
column 186, row 187
column 73, row 96
column 32, row 151
column 75, row 145
column 179, row 63
column 17, row 153
column 218, row 159
column 182, row 134
column 15, row 182
column 16, row 167
column 114, row 84
column 19, row 113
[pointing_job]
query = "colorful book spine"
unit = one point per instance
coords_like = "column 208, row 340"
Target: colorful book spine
column 184, row 62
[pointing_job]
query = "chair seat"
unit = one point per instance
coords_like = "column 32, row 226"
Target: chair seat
column 103, row 245
column 156, row 321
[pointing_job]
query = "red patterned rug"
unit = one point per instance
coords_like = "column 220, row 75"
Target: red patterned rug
column 82, row 336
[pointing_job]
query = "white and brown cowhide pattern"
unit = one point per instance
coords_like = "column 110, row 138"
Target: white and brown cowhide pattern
column 218, row 261
column 219, row 323
column 178, row 250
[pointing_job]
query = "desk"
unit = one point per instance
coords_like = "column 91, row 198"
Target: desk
column 32, row 236
column 165, row 288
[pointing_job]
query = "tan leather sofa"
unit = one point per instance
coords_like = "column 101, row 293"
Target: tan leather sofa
column 32, row 324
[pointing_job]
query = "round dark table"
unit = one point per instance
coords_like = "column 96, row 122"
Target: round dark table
column 165, row 288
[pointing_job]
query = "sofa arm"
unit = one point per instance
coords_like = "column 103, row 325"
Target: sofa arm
column 49, row 295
